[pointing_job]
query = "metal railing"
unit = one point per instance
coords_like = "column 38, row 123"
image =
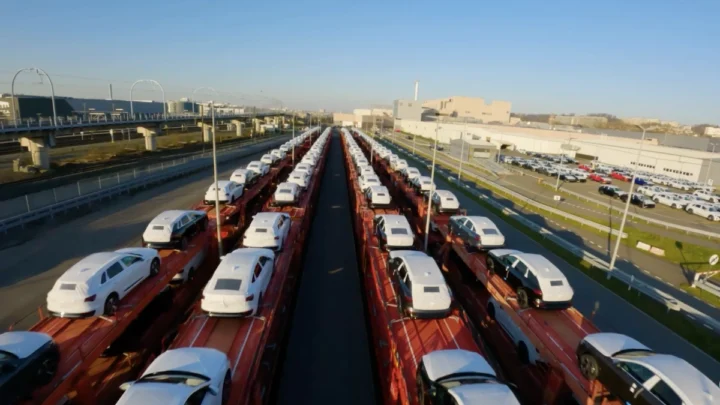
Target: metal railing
column 667, row 300
column 18, row 212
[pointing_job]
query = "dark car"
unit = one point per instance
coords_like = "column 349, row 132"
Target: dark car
column 639, row 376
column 612, row 191
column 639, row 200
column 174, row 229
column 536, row 281
column 28, row 360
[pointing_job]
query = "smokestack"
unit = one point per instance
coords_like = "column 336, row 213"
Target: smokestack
column 417, row 83
column 110, row 85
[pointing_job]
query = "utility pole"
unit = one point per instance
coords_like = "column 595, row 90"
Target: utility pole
column 215, row 174
column 432, row 187
column 293, row 136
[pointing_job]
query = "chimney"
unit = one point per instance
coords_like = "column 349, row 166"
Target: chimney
column 110, row 86
column 417, row 83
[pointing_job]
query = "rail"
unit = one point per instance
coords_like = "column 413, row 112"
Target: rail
column 667, row 300
column 61, row 201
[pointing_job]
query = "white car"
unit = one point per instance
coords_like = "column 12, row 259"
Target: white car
column 681, row 184
column 706, row 196
column 360, row 162
column 705, row 210
column 244, row 177
column 399, row 164
column 227, row 192
column 310, row 159
column 670, row 199
column 238, row 284
column 445, row 201
column 369, row 180
column 174, row 229
column 189, row 375
column 258, row 167
column 267, row 230
column 286, row 194
column 394, row 231
column 527, row 352
column 378, row 196
column 278, row 153
column 419, row 285
column 410, row 173
column 650, row 191
column 304, row 167
column 367, row 170
column 269, row 159
column 302, row 179
column 422, row 185
column 96, row 284
column 460, row 377
column 477, row 232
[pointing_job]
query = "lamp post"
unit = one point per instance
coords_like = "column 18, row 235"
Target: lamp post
column 562, row 158
column 132, row 111
column 432, row 186
column 39, row 72
column 611, row 266
column 707, row 176
column 462, row 151
column 293, row 137
column 215, row 175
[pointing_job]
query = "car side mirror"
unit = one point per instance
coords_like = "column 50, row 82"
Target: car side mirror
column 212, row 390
column 126, row 385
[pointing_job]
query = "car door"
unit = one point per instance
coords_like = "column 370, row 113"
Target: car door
column 632, row 377
column 658, row 388
column 515, row 271
column 470, row 232
column 117, row 279
column 380, row 228
column 136, row 268
column 267, row 271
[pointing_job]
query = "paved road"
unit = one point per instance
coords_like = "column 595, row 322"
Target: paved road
column 615, row 314
column 30, row 268
column 328, row 358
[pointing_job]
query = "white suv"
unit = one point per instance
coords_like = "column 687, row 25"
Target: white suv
column 705, row 210
column 267, row 230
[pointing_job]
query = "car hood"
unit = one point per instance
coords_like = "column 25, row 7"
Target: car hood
column 194, row 360
column 156, row 393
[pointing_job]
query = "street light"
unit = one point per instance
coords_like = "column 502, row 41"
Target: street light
column 215, row 175
column 39, row 72
column 293, row 136
column 132, row 112
column 193, row 96
column 462, row 151
column 432, row 185
column 707, row 176
column 562, row 158
column 611, row 266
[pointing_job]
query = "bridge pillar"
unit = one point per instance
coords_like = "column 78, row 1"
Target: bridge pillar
column 112, row 136
column 39, row 148
column 238, row 126
column 150, row 134
column 206, row 131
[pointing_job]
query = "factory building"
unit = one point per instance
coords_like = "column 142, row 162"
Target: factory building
column 474, row 108
column 579, row 120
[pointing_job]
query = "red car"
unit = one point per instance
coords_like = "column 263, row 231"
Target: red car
column 599, row 178
column 620, row 176
column 586, row 168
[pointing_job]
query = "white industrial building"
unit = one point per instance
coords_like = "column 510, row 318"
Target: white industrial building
column 686, row 164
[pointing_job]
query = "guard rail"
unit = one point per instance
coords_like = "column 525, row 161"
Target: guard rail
column 132, row 180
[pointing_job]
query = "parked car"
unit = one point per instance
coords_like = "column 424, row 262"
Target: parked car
column 640, row 181
column 278, row 153
column 258, row 167
column 445, row 201
column 369, row 180
column 650, row 191
column 419, row 285
column 302, row 179
column 527, row 352
column 460, row 377
column 28, row 360
column 567, row 176
column 304, row 167
column 681, row 184
column 477, row 232
column 612, row 191
column 638, row 375
column 600, row 178
column 620, row 176
column 410, row 173
column 585, row 168
column 268, row 230
column 399, row 164
column 705, row 210
column 310, row 159
column 423, row 185
column 672, row 200
column 393, row 231
column 639, row 200
column 188, row 375
column 226, row 191
column 367, row 170
column 244, row 177
column 286, row 194
column 96, row 284
column 537, row 282
column 378, row 196
column 238, row 284
column 269, row 159
column 706, row 196
column 174, row 229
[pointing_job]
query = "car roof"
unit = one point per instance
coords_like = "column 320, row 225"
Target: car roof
column 395, row 219
column 378, row 189
column 265, row 218
column 484, row 222
column 698, row 388
column 199, row 360
column 444, row 193
column 168, row 217
column 156, row 393
column 222, row 183
column 239, row 263
column 420, row 178
column 241, row 171
column 288, row 184
column 611, row 343
column 89, row 266
column 544, row 268
column 422, row 268
column 441, row 363
column 472, row 394
column 21, row 343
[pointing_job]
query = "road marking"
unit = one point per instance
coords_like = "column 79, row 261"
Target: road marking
column 335, row 271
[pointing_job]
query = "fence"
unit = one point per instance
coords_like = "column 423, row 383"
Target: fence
column 31, row 207
column 667, row 300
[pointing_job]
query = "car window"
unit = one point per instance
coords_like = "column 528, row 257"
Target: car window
column 398, row 231
column 666, row 394
column 185, row 220
column 402, row 271
column 230, row 284
column 114, row 270
column 638, row 372
column 130, row 260
column 263, row 260
column 532, row 280
column 521, row 267
column 103, row 279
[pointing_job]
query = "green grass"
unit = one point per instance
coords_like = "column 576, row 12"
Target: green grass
column 703, row 338
column 701, row 295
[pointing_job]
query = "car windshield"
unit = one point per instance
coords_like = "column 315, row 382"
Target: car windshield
column 285, row 190
column 231, row 284
column 6, row 356
column 457, row 380
column 633, row 353
column 489, row 231
column 175, row 377
column 434, row 289
column 398, row 231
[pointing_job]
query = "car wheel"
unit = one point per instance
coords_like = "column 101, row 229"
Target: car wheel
column 674, row 206
column 490, row 266
column 522, row 298
column 589, row 366
column 111, row 304
column 227, row 384
column 154, row 267
column 48, row 367
column 523, row 353
column 690, row 211
column 491, row 310
column 711, row 218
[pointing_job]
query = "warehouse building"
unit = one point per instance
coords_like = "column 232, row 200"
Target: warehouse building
column 471, row 107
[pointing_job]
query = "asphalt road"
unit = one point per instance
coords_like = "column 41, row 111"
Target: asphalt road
column 29, row 268
column 328, row 358
column 614, row 314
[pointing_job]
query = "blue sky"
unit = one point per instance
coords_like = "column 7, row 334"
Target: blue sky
column 629, row 58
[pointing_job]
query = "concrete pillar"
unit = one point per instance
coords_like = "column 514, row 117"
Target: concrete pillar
column 238, row 126
column 206, row 131
column 257, row 124
column 39, row 148
column 150, row 134
column 112, row 136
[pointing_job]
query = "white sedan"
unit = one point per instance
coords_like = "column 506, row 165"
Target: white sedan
column 189, row 375
column 302, row 179
column 96, row 284
column 369, row 180
column 258, row 167
column 304, row 167
column 286, row 194
column 226, row 192
column 238, row 284
column 670, row 199
column 269, row 159
column 705, row 210
column 267, row 230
